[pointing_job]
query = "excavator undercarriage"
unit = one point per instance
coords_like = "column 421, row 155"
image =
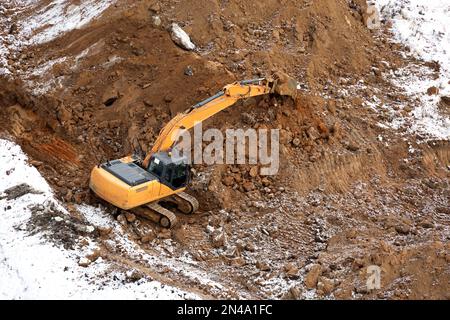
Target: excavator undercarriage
column 160, row 212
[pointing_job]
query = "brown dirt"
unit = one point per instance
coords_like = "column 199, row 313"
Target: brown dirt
column 342, row 200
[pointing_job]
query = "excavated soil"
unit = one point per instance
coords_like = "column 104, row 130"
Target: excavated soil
column 349, row 193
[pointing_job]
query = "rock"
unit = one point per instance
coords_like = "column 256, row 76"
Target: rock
column 237, row 177
column 313, row 134
column 249, row 246
column 285, row 136
column 263, row 266
column 209, row 229
column 165, row 234
column 218, row 238
column 188, row 71
column 403, row 228
column 89, row 229
column 138, row 52
column 266, row 182
column 247, row 118
column 444, row 210
column 296, row 142
column 148, row 237
column 130, row 217
column 276, row 34
column 312, row 277
column 168, row 98
column 445, row 100
column 254, row 172
column 237, row 262
column 36, row 163
column 426, row 224
column 122, row 219
column 104, row 231
column 286, row 85
column 109, row 98
column 344, row 293
column 228, row 181
column 84, row 262
column 156, row 20
column 362, row 289
column 18, row 191
column 352, row 147
column 64, row 114
column 12, row 29
column 291, row 271
column 351, row 234
column 134, row 275
column 294, row 293
column 248, row 186
column 94, row 255
column 180, row 37
column 156, row 7
column 377, row 72
column 325, row 285
column 433, row 91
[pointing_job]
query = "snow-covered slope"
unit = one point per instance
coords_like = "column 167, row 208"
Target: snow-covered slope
column 424, row 27
column 33, row 268
column 42, row 23
column 59, row 17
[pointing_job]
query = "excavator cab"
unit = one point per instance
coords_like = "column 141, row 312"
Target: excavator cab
column 170, row 170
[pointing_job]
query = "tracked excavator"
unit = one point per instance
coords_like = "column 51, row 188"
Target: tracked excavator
column 150, row 187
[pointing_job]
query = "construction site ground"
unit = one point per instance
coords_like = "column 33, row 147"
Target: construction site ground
column 353, row 189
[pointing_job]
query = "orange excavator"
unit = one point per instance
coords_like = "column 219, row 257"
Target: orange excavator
column 145, row 185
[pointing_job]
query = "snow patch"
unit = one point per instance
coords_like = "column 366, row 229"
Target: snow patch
column 32, row 268
column 423, row 27
column 59, row 17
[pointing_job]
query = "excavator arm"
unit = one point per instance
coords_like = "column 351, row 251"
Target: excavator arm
column 131, row 185
column 206, row 109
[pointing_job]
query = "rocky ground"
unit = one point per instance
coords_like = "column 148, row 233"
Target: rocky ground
column 364, row 178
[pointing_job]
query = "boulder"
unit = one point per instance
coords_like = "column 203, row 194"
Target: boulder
column 180, row 37
column 313, row 275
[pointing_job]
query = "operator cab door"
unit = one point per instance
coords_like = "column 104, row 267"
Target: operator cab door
column 173, row 175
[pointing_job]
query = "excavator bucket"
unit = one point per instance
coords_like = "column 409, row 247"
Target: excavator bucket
column 285, row 85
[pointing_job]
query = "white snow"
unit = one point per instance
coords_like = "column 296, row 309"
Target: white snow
column 43, row 23
column 59, row 17
column 33, row 268
column 182, row 265
column 424, row 27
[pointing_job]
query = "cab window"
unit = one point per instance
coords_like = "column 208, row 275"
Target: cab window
column 179, row 177
column 156, row 167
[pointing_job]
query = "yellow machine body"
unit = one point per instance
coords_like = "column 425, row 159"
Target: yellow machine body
column 120, row 194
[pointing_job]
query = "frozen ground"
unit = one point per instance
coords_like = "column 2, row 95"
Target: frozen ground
column 45, row 23
column 33, row 268
column 423, row 27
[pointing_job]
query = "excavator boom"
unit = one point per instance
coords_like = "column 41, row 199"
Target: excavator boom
column 206, row 109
